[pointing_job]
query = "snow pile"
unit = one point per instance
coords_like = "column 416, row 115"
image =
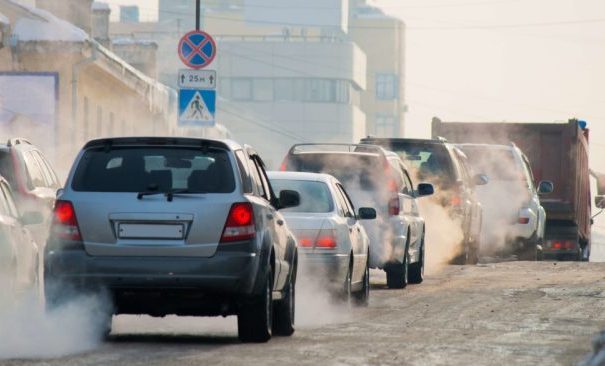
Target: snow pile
column 43, row 26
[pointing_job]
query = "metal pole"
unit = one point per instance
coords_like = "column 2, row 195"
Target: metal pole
column 197, row 14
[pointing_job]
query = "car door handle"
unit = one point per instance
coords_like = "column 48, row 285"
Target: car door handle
column 280, row 222
column 270, row 216
column 358, row 230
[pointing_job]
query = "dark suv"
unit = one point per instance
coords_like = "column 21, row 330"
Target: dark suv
column 447, row 167
column 32, row 178
column 175, row 226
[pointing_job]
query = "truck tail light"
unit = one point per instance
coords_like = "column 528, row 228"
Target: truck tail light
column 65, row 224
column 240, row 223
column 562, row 244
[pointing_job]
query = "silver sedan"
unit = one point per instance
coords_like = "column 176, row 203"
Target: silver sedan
column 331, row 241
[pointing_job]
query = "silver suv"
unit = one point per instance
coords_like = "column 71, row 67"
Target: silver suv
column 175, row 226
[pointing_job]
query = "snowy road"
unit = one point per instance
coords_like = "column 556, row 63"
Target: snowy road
column 505, row 313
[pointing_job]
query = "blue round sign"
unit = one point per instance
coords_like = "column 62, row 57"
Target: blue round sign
column 197, row 49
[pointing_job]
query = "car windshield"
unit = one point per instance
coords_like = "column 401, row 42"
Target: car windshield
column 154, row 169
column 497, row 164
column 315, row 196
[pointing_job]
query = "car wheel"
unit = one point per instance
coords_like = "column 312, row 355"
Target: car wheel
column 283, row 315
column 397, row 274
column 417, row 269
column 473, row 254
column 254, row 321
column 347, row 292
column 362, row 297
column 529, row 252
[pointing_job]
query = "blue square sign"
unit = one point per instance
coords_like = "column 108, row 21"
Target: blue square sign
column 197, row 107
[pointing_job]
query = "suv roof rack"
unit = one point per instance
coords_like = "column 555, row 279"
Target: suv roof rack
column 17, row 141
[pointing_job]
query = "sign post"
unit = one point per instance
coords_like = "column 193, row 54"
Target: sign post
column 197, row 87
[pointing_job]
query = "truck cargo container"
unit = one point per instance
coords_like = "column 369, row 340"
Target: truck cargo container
column 558, row 152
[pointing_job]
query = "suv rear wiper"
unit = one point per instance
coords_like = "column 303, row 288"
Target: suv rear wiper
column 148, row 193
column 169, row 194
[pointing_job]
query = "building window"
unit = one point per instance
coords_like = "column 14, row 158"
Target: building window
column 385, row 126
column 386, row 86
column 241, row 89
column 263, row 90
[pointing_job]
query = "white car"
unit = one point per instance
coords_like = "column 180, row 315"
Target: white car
column 513, row 218
column 331, row 240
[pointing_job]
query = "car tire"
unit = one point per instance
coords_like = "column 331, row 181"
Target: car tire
column 347, row 291
column 528, row 252
column 473, row 254
column 254, row 321
column 417, row 269
column 284, row 311
column 397, row 274
column 362, row 297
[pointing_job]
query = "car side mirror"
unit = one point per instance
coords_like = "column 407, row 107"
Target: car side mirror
column 288, row 198
column 599, row 201
column 367, row 213
column 480, row 179
column 59, row 192
column 545, row 187
column 425, row 189
column 32, row 218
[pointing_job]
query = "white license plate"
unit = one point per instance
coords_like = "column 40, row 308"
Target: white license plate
column 150, row 231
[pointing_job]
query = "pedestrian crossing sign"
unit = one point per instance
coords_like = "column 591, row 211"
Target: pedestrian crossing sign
column 197, row 107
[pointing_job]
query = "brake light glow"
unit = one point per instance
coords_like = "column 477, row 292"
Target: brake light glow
column 284, row 165
column 562, row 244
column 326, row 239
column 523, row 220
column 65, row 223
column 455, row 200
column 394, row 206
column 240, row 223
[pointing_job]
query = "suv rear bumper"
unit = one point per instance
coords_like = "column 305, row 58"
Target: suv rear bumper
column 226, row 273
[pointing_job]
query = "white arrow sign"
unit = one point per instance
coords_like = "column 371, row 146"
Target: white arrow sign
column 197, row 79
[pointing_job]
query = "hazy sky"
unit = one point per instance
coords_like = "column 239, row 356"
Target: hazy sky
column 498, row 60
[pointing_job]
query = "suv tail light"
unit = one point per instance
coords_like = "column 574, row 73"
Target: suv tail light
column 394, row 207
column 65, row 224
column 561, row 244
column 240, row 223
column 284, row 165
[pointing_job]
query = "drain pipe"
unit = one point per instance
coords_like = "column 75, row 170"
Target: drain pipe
column 75, row 72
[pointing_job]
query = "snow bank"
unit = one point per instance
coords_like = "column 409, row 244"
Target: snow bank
column 4, row 19
column 43, row 26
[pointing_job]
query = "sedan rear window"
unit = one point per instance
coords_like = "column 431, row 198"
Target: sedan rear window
column 315, row 197
column 151, row 169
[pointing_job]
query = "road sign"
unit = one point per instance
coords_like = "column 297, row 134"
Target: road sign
column 197, row 79
column 197, row 107
column 197, row 49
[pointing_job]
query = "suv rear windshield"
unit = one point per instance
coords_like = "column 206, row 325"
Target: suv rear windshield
column 149, row 169
column 430, row 161
column 497, row 164
column 315, row 197
column 354, row 170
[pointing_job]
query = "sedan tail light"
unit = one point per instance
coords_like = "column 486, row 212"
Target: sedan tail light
column 240, row 223
column 394, row 207
column 326, row 239
column 65, row 224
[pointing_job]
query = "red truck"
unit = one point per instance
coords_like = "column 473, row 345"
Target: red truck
column 558, row 152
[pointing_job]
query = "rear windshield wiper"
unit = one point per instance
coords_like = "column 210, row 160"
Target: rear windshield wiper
column 169, row 194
